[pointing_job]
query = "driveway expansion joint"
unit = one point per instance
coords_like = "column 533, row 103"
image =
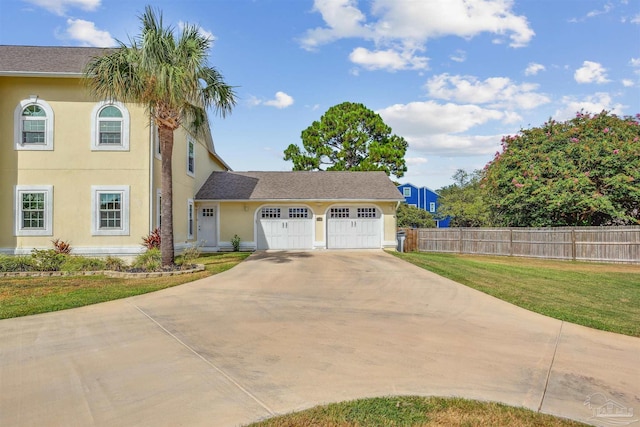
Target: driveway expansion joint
column 553, row 358
column 208, row 362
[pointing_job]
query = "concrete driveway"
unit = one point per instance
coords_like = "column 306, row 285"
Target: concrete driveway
column 286, row 331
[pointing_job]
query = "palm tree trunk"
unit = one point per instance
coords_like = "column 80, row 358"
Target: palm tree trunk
column 166, row 231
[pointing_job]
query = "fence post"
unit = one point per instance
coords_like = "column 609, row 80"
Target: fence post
column 573, row 243
column 510, row 241
column 460, row 240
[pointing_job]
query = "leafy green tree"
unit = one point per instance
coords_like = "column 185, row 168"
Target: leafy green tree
column 409, row 216
column 171, row 78
column 349, row 136
column 465, row 201
column 584, row 171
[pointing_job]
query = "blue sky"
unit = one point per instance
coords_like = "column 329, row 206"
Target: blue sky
column 450, row 76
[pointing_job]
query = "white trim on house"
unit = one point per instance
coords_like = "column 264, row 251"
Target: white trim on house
column 47, row 190
column 17, row 125
column 95, row 127
column 96, row 191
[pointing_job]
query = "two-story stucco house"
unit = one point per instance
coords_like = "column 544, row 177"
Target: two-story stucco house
column 87, row 171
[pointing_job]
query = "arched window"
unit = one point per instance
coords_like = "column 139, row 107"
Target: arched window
column 33, row 124
column 110, row 123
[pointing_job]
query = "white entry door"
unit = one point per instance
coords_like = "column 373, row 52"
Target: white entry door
column 207, row 226
column 354, row 228
column 285, row 228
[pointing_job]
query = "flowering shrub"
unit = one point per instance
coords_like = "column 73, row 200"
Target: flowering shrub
column 585, row 171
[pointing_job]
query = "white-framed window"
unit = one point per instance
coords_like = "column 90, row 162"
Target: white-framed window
column 159, row 208
column 33, row 125
column 406, row 191
column 367, row 213
column 155, row 138
column 190, row 219
column 33, row 210
column 110, row 210
column 110, row 127
column 191, row 157
column 339, row 213
column 432, row 206
column 298, row 212
column 270, row 213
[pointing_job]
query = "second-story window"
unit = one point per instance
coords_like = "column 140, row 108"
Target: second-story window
column 33, row 124
column 110, row 126
column 191, row 157
column 110, row 123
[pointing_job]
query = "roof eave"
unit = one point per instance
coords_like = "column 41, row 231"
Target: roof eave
column 40, row 74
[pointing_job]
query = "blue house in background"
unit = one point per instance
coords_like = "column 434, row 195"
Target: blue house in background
column 423, row 198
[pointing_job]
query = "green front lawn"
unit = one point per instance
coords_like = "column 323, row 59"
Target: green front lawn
column 31, row 295
column 601, row 296
column 416, row 411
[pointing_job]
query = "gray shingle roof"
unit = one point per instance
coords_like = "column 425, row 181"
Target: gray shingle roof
column 34, row 60
column 299, row 186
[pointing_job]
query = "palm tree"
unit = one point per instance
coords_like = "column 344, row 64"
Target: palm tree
column 171, row 78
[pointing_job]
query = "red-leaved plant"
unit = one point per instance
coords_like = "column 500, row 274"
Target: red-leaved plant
column 152, row 240
column 61, row 247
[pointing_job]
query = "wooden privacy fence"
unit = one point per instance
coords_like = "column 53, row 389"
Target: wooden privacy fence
column 603, row 244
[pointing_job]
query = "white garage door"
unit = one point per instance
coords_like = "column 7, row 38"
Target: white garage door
column 285, row 228
column 354, row 228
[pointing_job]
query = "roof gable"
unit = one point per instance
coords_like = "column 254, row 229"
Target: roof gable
column 317, row 185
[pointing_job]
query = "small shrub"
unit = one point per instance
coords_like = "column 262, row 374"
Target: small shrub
column 151, row 260
column 235, row 242
column 14, row 263
column 189, row 255
column 47, row 259
column 61, row 247
column 152, row 241
column 81, row 263
column 114, row 264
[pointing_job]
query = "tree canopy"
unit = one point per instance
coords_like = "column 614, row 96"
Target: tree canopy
column 171, row 78
column 409, row 216
column 349, row 136
column 465, row 201
column 584, row 171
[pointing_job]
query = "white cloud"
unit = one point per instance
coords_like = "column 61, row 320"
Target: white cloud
column 533, row 69
column 458, row 56
column 87, row 33
column 628, row 83
column 635, row 62
column 202, row 31
column 591, row 72
column 607, row 8
column 591, row 104
column 343, row 19
column 636, row 19
column 388, row 59
column 282, row 100
column 497, row 92
column 415, row 161
column 433, row 128
column 59, row 7
column 398, row 29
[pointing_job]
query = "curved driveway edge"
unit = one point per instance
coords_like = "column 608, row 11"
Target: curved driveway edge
column 284, row 331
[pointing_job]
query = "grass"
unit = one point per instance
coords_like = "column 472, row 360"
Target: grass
column 25, row 296
column 600, row 296
column 416, row 411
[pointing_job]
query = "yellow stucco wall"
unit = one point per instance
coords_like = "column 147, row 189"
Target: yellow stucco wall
column 240, row 218
column 185, row 186
column 72, row 167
